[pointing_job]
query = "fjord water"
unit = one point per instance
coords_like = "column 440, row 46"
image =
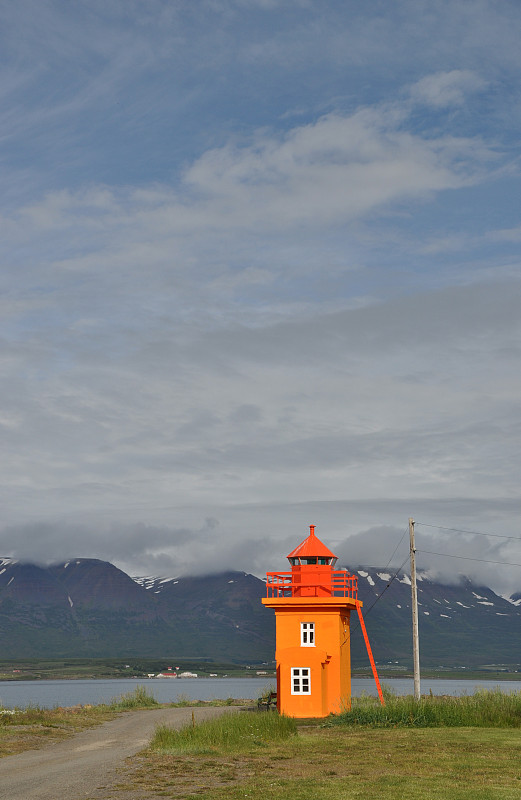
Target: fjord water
column 48, row 694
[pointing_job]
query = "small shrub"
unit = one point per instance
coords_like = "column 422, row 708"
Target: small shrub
column 139, row 698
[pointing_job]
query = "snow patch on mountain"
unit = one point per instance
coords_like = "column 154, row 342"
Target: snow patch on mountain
column 152, row 583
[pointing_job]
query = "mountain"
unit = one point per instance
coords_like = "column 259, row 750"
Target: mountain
column 228, row 601
column 98, row 584
column 90, row 608
column 459, row 625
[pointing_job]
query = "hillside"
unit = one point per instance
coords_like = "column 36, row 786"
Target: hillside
column 459, row 625
column 90, row 608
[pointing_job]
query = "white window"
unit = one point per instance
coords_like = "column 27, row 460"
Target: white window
column 300, row 680
column 307, row 634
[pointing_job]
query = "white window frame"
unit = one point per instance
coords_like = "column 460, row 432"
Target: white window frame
column 307, row 634
column 300, row 680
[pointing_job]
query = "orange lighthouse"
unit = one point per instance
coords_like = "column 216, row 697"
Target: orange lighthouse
column 312, row 605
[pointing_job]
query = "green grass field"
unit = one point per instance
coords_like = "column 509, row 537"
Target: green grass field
column 439, row 749
column 340, row 763
column 414, row 756
column 84, row 668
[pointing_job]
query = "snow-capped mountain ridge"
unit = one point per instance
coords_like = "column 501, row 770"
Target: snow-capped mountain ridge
column 88, row 607
column 424, row 578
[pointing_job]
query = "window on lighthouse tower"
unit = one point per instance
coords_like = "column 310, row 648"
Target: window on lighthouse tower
column 307, row 634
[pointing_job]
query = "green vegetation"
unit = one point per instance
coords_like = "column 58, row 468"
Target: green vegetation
column 441, row 748
column 509, row 672
column 183, row 701
column 139, row 698
column 34, row 726
column 230, row 732
column 70, row 668
column 484, row 709
column 260, row 756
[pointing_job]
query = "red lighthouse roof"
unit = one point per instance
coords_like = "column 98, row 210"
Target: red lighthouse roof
column 312, row 546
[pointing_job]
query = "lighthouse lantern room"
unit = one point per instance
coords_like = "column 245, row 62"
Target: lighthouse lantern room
column 312, row 605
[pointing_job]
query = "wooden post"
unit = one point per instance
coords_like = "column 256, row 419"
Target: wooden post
column 414, row 596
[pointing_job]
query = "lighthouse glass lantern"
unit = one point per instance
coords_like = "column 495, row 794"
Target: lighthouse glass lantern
column 312, row 605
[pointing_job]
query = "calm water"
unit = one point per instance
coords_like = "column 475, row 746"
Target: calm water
column 48, row 694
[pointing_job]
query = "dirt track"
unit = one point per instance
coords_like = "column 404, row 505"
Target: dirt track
column 77, row 768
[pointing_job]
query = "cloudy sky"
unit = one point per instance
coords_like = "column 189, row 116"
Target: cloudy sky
column 260, row 266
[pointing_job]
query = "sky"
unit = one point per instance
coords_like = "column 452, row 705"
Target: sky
column 260, row 269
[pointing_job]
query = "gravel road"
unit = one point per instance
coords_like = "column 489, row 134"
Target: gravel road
column 76, row 768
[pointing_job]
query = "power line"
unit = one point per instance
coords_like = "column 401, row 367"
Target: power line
column 476, row 533
column 373, row 566
column 469, row 558
column 397, row 546
column 392, row 579
column 379, row 597
column 443, row 555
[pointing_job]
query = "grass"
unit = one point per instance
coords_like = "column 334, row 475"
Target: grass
column 33, row 727
column 327, row 763
column 184, row 701
column 442, row 748
column 466, row 748
column 484, row 709
column 229, row 733
column 138, row 698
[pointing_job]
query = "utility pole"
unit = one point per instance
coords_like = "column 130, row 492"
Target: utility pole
column 415, row 637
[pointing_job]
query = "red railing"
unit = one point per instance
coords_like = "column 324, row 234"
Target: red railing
column 342, row 584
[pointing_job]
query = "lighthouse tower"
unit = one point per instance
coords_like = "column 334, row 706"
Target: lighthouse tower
column 312, row 605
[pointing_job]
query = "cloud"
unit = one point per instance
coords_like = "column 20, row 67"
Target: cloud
column 215, row 308
column 333, row 170
column 159, row 548
column 447, row 556
column 138, row 548
column 444, row 89
column 507, row 234
column 314, row 178
column 267, row 430
column 325, row 173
